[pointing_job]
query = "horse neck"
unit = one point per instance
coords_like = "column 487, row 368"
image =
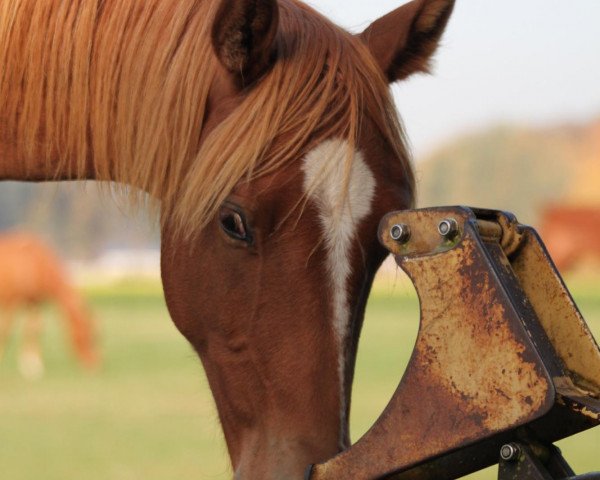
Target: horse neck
column 129, row 111
column 36, row 167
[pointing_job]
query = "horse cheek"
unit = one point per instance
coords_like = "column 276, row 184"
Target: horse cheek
column 205, row 287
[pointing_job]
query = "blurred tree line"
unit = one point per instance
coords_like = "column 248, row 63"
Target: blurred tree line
column 519, row 169
column 79, row 219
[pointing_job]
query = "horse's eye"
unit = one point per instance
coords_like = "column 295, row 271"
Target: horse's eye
column 234, row 225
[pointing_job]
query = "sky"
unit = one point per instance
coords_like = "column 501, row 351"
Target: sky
column 531, row 62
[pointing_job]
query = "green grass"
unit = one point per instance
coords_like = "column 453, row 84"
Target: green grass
column 148, row 413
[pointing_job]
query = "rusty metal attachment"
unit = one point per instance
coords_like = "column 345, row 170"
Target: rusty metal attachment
column 504, row 364
column 531, row 461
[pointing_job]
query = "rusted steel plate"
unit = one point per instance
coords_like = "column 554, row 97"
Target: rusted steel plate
column 502, row 353
column 558, row 313
column 474, row 372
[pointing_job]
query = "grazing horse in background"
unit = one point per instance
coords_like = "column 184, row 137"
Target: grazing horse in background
column 31, row 274
column 572, row 234
column 269, row 140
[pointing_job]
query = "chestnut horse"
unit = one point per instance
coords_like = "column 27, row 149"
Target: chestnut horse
column 572, row 234
column 270, row 142
column 31, row 274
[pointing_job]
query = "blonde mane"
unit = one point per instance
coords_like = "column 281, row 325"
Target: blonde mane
column 124, row 85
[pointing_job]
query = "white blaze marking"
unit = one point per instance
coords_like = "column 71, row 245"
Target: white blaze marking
column 324, row 181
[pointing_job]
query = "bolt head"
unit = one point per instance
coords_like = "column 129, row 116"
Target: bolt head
column 509, row 452
column 400, row 233
column 448, row 228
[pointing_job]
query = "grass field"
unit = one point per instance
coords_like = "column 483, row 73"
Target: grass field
column 148, row 414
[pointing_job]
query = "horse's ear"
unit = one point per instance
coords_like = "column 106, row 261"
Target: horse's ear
column 243, row 37
column 404, row 40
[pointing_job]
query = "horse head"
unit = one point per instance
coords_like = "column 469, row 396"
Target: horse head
column 269, row 138
column 271, row 292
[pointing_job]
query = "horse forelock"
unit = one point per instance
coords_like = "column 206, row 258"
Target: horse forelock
column 126, row 84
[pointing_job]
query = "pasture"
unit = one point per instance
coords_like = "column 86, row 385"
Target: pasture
column 148, row 414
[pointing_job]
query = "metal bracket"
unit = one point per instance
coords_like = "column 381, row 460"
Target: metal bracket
column 502, row 355
column 522, row 461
